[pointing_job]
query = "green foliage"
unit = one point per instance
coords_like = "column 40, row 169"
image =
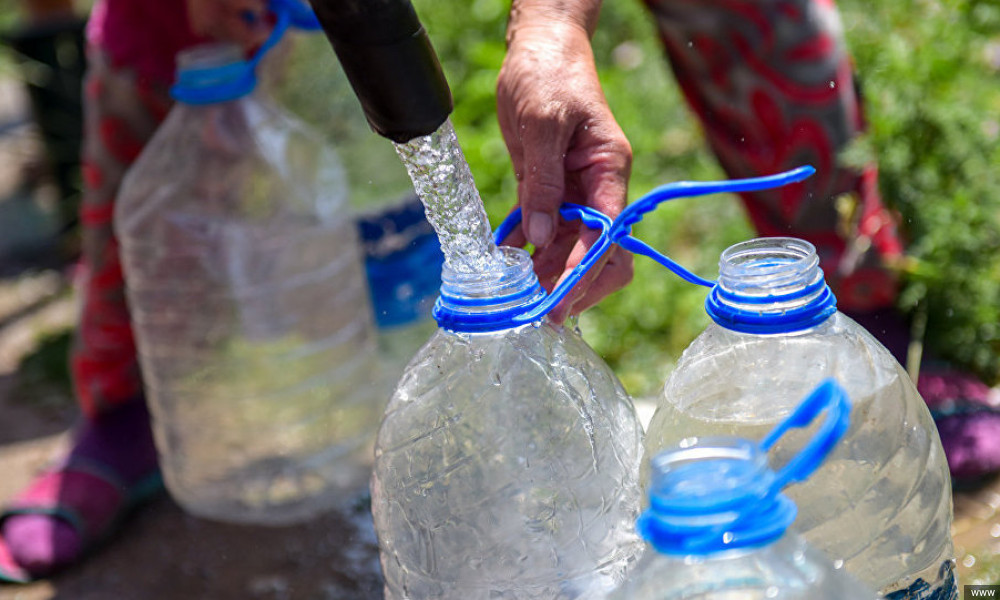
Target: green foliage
column 931, row 86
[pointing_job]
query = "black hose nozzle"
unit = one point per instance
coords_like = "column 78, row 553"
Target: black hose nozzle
column 390, row 63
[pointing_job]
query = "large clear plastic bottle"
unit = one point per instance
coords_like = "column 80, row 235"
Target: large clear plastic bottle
column 717, row 522
column 249, row 304
column 507, row 462
column 882, row 503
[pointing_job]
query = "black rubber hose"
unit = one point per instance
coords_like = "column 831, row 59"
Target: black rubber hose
column 390, row 63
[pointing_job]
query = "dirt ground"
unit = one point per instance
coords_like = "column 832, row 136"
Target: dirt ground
column 161, row 553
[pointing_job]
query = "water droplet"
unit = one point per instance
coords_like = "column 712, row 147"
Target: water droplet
column 833, row 84
column 995, row 530
column 838, row 564
column 968, row 561
column 727, row 537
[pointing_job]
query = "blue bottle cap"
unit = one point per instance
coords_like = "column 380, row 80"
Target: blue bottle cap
column 719, row 493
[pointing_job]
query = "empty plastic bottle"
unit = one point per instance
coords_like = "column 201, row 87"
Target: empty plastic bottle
column 249, row 303
column 882, row 503
column 507, row 462
column 717, row 522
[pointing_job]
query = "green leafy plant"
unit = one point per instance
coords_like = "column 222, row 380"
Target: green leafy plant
column 933, row 92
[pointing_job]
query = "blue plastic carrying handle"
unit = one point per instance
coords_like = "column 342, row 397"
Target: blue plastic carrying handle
column 621, row 231
column 830, row 397
column 228, row 82
column 571, row 212
column 718, row 500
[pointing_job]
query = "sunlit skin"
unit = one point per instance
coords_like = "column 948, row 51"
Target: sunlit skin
column 564, row 143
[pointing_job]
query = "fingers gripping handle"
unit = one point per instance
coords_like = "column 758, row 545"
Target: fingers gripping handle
column 570, row 212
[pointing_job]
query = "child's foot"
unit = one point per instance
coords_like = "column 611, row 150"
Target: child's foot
column 111, row 467
column 965, row 410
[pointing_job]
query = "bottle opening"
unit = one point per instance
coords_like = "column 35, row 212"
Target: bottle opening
column 208, row 56
column 487, row 301
column 770, row 285
column 713, row 494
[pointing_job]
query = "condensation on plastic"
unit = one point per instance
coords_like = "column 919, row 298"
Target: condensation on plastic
column 507, row 467
column 882, row 501
column 251, row 314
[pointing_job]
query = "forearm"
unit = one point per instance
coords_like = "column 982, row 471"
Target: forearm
column 529, row 14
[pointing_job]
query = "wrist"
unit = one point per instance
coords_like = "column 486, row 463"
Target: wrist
column 551, row 17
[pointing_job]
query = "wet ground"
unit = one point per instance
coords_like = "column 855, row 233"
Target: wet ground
column 161, row 553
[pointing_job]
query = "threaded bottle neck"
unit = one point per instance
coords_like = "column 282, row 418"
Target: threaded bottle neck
column 486, row 301
column 770, row 285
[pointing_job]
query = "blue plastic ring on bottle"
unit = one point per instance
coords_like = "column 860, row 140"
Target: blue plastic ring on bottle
column 224, row 83
column 820, row 308
column 822, row 304
column 536, row 302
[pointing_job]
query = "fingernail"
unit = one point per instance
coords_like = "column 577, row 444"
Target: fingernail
column 539, row 228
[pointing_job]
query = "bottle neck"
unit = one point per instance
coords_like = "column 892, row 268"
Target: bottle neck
column 485, row 302
column 713, row 495
column 770, row 285
column 211, row 74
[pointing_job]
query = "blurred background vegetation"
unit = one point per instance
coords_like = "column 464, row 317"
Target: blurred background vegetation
column 930, row 71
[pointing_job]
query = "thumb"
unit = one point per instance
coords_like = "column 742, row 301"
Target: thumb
column 542, row 184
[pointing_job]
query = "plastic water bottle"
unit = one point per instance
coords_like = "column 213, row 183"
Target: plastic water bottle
column 718, row 525
column 507, row 462
column 882, row 503
column 249, row 303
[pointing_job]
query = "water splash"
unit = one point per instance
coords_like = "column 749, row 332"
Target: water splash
column 442, row 179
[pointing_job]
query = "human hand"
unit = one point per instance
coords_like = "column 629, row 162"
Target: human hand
column 565, row 146
column 241, row 22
